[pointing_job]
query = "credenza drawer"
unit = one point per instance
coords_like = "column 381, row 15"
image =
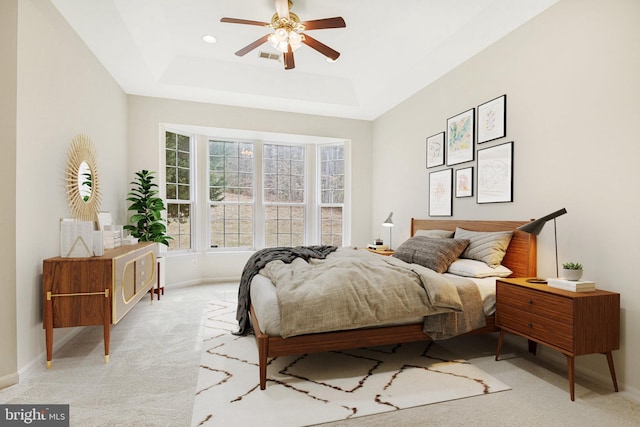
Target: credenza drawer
column 531, row 301
column 538, row 327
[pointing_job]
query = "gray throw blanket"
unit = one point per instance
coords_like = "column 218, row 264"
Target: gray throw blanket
column 261, row 258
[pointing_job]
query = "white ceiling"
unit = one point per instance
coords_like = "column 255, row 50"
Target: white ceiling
column 389, row 49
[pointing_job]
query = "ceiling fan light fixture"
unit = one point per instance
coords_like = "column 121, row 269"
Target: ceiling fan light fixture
column 288, row 33
column 280, row 39
column 295, row 40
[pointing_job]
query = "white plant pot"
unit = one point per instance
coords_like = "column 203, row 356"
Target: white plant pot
column 571, row 274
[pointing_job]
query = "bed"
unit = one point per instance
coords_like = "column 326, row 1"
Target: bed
column 519, row 256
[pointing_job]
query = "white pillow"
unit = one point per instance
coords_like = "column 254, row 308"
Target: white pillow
column 478, row 269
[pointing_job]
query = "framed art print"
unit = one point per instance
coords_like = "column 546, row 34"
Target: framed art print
column 495, row 174
column 435, row 150
column 492, row 119
column 464, row 182
column 440, row 200
column 460, row 131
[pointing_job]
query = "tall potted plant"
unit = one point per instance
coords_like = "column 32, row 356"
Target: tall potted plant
column 147, row 223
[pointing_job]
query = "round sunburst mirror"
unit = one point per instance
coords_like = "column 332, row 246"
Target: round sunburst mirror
column 83, row 190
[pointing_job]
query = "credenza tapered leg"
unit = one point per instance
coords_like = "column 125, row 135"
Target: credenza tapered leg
column 48, row 327
column 107, row 325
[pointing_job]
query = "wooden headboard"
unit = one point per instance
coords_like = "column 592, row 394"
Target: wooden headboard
column 521, row 257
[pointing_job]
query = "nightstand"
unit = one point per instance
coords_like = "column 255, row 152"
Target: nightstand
column 386, row 252
column 573, row 323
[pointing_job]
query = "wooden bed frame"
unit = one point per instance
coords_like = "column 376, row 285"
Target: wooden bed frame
column 520, row 258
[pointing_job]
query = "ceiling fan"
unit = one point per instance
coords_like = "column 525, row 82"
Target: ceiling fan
column 288, row 34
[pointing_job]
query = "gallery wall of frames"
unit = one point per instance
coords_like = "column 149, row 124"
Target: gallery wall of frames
column 459, row 163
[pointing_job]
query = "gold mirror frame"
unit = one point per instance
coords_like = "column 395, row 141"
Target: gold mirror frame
column 82, row 151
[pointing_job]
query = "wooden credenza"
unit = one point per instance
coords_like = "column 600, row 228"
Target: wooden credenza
column 574, row 323
column 97, row 290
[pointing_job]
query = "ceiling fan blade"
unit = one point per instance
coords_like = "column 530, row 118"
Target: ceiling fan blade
column 289, row 63
column 319, row 24
column 248, row 48
column 244, row 21
column 320, row 47
column 282, row 8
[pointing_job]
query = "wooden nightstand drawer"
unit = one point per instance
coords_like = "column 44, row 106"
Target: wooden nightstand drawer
column 555, row 333
column 536, row 302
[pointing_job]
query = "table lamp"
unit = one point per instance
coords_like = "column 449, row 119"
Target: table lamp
column 388, row 223
column 536, row 226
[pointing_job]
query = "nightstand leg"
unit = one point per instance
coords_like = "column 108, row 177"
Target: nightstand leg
column 533, row 347
column 570, row 365
column 612, row 370
column 499, row 343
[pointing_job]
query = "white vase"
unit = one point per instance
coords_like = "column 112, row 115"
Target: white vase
column 571, row 274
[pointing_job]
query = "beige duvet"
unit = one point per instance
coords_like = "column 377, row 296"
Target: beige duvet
column 353, row 289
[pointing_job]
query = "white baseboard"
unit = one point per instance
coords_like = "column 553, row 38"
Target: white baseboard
column 9, row 380
column 40, row 361
column 204, row 281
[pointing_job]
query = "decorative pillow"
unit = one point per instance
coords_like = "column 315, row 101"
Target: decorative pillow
column 489, row 247
column 436, row 254
column 438, row 234
column 478, row 269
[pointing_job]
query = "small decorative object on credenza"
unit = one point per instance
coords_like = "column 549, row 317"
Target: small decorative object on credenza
column 572, row 285
column 571, row 271
column 76, row 238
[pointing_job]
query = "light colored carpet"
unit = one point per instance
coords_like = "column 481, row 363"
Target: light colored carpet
column 323, row 387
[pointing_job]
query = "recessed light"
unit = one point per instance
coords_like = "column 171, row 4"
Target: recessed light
column 208, row 38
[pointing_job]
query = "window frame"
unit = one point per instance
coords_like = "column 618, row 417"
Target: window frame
column 209, row 203
column 199, row 137
column 193, row 187
column 319, row 203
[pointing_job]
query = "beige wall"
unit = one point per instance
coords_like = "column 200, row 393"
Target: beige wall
column 62, row 90
column 573, row 102
column 8, row 78
column 147, row 114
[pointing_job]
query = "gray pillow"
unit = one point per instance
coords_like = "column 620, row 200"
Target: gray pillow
column 489, row 247
column 437, row 234
column 436, row 254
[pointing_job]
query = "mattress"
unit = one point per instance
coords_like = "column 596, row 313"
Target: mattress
column 265, row 302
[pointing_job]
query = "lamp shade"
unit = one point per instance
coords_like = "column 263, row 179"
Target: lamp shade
column 535, row 227
column 388, row 222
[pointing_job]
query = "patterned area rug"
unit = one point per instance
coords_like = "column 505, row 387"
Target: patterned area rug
column 323, row 387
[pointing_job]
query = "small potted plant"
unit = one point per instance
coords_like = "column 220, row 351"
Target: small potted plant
column 572, row 270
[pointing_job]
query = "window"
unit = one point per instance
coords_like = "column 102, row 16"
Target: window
column 284, row 195
column 331, row 194
column 249, row 194
column 231, row 194
column 178, row 162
